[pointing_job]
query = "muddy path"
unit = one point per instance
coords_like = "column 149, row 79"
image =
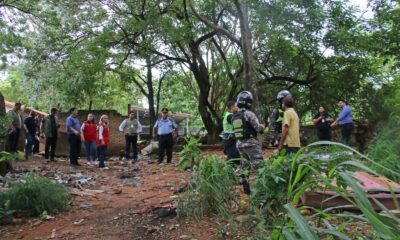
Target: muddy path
column 128, row 201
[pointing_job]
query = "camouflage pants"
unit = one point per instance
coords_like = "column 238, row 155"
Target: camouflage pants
column 253, row 155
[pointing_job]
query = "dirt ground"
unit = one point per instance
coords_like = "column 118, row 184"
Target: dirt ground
column 114, row 205
column 128, row 201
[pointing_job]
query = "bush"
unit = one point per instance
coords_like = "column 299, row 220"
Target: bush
column 212, row 190
column 385, row 150
column 37, row 195
column 191, row 154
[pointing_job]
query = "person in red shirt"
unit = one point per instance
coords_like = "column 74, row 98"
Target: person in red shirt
column 103, row 134
column 89, row 137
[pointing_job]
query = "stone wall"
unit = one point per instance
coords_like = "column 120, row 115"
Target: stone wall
column 363, row 133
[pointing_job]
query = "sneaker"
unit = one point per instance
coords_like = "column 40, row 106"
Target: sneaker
column 104, row 168
column 89, row 163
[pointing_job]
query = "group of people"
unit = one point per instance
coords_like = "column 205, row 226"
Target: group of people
column 241, row 126
column 95, row 136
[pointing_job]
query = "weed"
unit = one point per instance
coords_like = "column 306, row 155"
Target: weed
column 385, row 149
column 190, row 155
column 212, row 190
column 37, row 195
column 6, row 214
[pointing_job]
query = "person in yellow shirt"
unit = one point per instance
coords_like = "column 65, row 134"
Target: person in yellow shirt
column 290, row 140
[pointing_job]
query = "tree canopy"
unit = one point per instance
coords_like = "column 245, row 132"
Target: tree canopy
column 194, row 55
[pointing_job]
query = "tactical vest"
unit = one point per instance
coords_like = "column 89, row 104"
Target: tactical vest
column 280, row 116
column 131, row 126
column 241, row 128
column 228, row 128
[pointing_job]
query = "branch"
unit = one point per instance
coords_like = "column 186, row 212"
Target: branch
column 217, row 28
column 288, row 79
column 205, row 37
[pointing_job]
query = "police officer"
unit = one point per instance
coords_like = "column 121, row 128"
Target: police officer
column 245, row 127
column 132, row 128
column 228, row 137
column 276, row 118
column 166, row 131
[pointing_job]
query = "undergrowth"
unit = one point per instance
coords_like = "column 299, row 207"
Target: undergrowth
column 35, row 196
column 190, row 155
column 385, row 149
column 212, row 190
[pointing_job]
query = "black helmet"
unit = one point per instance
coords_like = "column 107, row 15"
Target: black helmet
column 244, row 99
column 282, row 94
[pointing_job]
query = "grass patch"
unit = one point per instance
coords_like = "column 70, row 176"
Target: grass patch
column 37, row 195
column 385, row 149
column 212, row 190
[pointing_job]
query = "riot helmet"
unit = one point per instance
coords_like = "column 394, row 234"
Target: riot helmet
column 244, row 99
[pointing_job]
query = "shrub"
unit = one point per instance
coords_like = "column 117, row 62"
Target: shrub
column 385, row 149
column 190, row 155
column 212, row 190
column 6, row 214
column 37, row 195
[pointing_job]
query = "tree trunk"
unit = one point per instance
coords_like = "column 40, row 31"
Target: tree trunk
column 213, row 124
column 90, row 105
column 247, row 49
column 150, row 97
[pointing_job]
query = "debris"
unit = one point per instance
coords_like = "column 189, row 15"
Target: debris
column 242, row 218
column 151, row 148
column 85, row 206
column 117, row 191
column 166, row 212
column 37, row 223
column 116, row 218
column 53, row 234
column 186, row 237
column 80, row 222
column 305, row 212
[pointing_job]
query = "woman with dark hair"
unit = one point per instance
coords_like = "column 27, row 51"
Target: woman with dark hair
column 322, row 121
column 103, row 140
column 89, row 137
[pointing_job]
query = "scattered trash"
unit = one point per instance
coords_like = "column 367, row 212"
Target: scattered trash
column 116, row 218
column 46, row 216
column 85, row 206
column 80, row 222
column 53, row 234
column 166, row 212
column 117, row 191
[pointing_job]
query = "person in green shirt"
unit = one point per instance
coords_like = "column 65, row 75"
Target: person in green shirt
column 15, row 126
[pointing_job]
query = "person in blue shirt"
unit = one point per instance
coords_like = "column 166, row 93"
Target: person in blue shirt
column 166, row 131
column 345, row 122
column 74, row 136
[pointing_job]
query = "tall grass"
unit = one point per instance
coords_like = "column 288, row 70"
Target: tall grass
column 385, row 149
column 299, row 227
column 212, row 190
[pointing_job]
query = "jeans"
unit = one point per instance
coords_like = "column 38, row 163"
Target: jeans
column 131, row 140
column 30, row 142
column 102, row 155
column 166, row 142
column 50, row 147
column 346, row 130
column 74, row 148
column 91, row 150
column 13, row 139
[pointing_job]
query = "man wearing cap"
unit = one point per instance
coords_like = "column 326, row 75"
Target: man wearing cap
column 166, row 131
column 14, row 127
column 132, row 128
